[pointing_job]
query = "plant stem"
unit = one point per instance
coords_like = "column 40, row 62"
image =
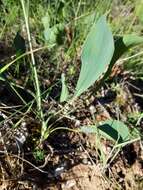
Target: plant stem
column 35, row 75
column 5, row 67
column 37, row 86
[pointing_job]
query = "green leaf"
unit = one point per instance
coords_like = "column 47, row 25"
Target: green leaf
column 111, row 129
column 19, row 44
column 132, row 40
column 64, row 93
column 46, row 21
column 96, row 55
column 122, row 45
column 50, row 33
column 139, row 10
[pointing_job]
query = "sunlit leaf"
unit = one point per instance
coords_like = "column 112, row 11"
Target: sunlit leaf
column 111, row 129
column 96, row 55
column 51, row 33
column 139, row 10
column 132, row 40
column 122, row 45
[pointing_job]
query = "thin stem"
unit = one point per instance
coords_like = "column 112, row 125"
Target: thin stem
column 4, row 68
column 36, row 81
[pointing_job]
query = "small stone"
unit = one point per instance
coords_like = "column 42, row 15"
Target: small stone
column 92, row 109
column 77, row 123
column 85, row 161
column 69, row 184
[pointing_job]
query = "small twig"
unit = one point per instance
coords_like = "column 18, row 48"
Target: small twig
column 24, row 160
column 9, row 107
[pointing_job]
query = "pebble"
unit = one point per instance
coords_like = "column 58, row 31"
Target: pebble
column 68, row 184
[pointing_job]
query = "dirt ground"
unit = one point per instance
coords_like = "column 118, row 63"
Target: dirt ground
column 72, row 161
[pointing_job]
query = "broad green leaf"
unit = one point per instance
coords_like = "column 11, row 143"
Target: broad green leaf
column 132, row 40
column 111, row 129
column 122, row 45
column 64, row 93
column 50, row 33
column 96, row 55
column 139, row 10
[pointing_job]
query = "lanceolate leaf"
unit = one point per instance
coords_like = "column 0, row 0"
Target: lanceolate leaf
column 122, row 45
column 111, row 129
column 96, row 55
